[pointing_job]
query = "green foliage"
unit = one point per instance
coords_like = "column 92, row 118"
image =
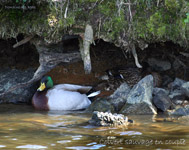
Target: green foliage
column 187, row 18
column 172, row 5
column 148, row 20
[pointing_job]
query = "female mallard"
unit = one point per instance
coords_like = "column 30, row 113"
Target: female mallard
column 116, row 76
column 62, row 96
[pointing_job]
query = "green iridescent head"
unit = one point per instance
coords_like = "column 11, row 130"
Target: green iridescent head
column 46, row 83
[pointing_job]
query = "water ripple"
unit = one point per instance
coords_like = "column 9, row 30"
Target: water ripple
column 130, row 133
column 77, row 137
column 64, row 141
column 1, row 146
column 32, row 146
column 97, row 146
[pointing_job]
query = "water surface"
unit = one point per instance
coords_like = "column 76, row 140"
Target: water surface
column 21, row 127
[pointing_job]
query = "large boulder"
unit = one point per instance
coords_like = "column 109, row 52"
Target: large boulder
column 119, row 97
column 139, row 99
column 12, row 77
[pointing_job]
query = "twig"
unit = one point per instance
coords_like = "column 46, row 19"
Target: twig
column 130, row 11
column 99, row 27
column 129, row 4
column 94, row 4
column 119, row 5
column 61, row 6
column 66, row 10
column 23, row 41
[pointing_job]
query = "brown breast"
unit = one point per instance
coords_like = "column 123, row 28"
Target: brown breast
column 40, row 101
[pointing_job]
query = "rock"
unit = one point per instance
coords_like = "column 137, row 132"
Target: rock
column 100, row 105
column 185, row 88
column 176, row 84
column 119, row 97
column 176, row 65
column 180, row 111
column 177, row 95
column 159, row 65
column 139, row 98
column 157, row 91
column 177, row 92
column 12, row 77
column 162, row 102
column 108, row 119
column 181, row 102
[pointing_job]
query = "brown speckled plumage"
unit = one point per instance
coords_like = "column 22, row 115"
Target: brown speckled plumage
column 116, row 76
column 130, row 75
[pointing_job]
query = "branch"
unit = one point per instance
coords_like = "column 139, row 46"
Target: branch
column 27, row 39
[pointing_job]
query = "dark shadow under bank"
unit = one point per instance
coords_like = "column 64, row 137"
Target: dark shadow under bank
column 104, row 56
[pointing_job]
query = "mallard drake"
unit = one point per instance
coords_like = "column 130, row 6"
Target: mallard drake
column 62, row 96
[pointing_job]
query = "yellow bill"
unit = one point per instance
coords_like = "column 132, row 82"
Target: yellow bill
column 42, row 87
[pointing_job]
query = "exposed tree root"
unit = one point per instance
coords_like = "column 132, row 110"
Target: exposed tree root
column 85, row 48
column 133, row 50
column 47, row 60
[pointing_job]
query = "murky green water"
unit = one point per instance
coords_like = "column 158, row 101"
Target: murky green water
column 21, row 127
